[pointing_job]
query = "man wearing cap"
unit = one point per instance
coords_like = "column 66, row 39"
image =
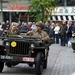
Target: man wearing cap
column 39, row 32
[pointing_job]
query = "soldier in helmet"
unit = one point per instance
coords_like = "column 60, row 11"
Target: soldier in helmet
column 13, row 30
column 39, row 32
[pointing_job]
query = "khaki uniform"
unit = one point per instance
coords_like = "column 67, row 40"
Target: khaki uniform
column 16, row 32
column 41, row 34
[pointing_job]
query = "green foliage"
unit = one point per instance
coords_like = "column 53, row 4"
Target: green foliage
column 42, row 8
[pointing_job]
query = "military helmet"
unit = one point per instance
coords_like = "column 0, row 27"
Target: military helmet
column 39, row 24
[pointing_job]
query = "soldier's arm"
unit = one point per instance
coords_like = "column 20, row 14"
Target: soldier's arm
column 46, row 37
column 29, row 33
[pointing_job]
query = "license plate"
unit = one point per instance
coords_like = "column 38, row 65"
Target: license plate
column 6, row 57
column 27, row 59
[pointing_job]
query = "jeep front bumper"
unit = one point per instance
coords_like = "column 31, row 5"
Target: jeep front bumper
column 16, row 58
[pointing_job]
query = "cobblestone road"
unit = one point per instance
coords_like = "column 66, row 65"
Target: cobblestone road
column 61, row 61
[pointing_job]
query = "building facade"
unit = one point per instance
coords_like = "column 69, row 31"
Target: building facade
column 65, row 11
column 14, row 10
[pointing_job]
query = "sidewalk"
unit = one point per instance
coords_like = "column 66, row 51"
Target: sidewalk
column 61, row 60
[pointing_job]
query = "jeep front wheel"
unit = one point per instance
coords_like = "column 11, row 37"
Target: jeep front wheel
column 45, row 63
column 39, row 63
column 1, row 66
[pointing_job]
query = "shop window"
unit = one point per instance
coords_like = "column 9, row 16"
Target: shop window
column 61, row 3
column 5, row 16
column 70, row 2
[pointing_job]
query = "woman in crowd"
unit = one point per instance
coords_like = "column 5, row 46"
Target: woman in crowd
column 56, row 30
column 13, row 30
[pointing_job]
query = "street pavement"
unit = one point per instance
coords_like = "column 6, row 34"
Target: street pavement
column 61, row 61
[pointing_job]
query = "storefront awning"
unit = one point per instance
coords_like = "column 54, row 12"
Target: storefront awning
column 60, row 18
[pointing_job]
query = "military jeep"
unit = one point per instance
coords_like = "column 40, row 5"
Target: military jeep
column 15, row 49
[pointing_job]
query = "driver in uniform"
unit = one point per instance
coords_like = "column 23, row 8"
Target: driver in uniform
column 39, row 32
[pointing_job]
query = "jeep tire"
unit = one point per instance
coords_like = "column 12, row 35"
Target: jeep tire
column 1, row 66
column 45, row 63
column 39, row 63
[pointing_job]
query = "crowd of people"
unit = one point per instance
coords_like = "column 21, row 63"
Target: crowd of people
column 63, row 31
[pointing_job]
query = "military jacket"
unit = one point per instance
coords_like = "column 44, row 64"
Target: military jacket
column 10, row 32
column 41, row 33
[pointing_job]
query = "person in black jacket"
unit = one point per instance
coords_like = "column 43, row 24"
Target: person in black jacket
column 68, row 31
column 73, row 30
column 24, row 28
column 62, row 33
column 4, row 26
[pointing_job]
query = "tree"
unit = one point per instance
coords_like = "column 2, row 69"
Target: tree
column 42, row 8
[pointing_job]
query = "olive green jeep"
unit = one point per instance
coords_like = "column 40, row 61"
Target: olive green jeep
column 24, row 49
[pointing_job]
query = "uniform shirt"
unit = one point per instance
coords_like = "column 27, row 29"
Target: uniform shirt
column 10, row 32
column 41, row 34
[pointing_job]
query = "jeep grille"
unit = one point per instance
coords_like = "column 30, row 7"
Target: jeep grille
column 22, row 48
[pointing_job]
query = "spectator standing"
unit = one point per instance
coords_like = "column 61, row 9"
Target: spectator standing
column 7, row 24
column 29, row 26
column 24, row 28
column 46, row 27
column 33, row 27
column 68, row 31
column 19, row 25
column 73, row 30
column 51, row 31
column 62, row 33
column 4, row 26
column 56, row 30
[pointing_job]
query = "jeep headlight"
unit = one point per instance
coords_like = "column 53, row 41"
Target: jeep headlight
column 32, row 45
column 7, row 43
